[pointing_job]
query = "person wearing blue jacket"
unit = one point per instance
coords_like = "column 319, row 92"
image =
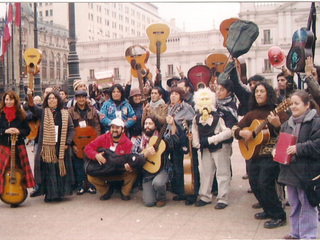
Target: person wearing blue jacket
column 117, row 107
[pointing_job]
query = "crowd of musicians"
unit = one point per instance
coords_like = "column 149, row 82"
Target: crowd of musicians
column 171, row 123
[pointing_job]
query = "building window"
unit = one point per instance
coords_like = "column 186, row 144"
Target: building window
column 47, row 13
column 266, row 37
column 116, row 73
column 51, row 63
column 267, row 66
column 91, row 74
column 170, row 69
column 51, row 12
column 65, row 65
column 44, row 65
column 58, row 74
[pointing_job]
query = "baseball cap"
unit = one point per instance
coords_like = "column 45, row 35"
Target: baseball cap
column 118, row 122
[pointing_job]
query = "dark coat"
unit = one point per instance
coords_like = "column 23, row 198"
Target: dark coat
column 307, row 162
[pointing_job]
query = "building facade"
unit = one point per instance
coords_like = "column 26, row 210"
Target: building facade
column 277, row 21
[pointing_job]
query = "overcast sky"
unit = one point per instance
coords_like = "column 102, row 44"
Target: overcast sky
column 190, row 16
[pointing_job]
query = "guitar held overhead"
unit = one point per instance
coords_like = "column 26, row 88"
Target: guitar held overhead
column 260, row 132
column 224, row 28
column 199, row 76
column 32, row 57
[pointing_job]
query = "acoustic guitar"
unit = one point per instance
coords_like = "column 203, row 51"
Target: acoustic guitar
column 137, row 56
column 216, row 62
column 188, row 172
column 158, row 34
column 82, row 137
column 224, row 28
column 301, row 48
column 14, row 191
column 155, row 162
column 199, row 76
column 32, row 57
column 260, row 133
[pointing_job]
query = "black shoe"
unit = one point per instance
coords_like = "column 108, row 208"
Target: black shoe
column 189, row 202
column 274, row 223
column 201, row 203
column 215, row 193
column 47, row 199
column 107, row 195
column 179, row 198
column 220, row 206
column 256, row 206
column 35, row 193
column 80, row 191
column 14, row 205
column 125, row 197
column 262, row 216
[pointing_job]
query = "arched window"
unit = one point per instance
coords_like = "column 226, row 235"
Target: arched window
column 51, row 63
column 58, row 63
column 44, row 65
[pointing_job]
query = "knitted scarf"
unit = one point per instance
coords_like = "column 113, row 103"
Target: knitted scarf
column 10, row 113
column 145, row 139
column 157, row 103
column 222, row 104
column 48, row 152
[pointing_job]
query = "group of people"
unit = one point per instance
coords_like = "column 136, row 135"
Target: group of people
column 162, row 127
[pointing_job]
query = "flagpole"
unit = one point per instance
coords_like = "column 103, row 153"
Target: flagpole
column 12, row 61
column 21, row 92
column 37, row 86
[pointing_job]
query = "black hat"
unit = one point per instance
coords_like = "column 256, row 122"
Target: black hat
column 80, row 93
column 174, row 78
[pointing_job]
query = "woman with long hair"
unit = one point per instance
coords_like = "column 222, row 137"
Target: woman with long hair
column 13, row 122
column 53, row 165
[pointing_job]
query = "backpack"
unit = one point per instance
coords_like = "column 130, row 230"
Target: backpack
column 241, row 35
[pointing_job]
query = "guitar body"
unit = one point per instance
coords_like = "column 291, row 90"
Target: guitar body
column 250, row 149
column 188, row 175
column 216, row 62
column 82, row 137
column 34, row 126
column 301, row 48
column 154, row 162
column 224, row 28
column 137, row 56
column 199, row 76
column 14, row 192
column 158, row 34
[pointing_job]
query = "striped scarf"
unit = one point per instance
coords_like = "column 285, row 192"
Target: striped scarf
column 48, row 152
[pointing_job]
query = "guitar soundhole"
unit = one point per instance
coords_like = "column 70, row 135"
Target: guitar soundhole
column 13, row 180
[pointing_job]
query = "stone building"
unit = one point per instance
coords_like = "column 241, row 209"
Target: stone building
column 277, row 21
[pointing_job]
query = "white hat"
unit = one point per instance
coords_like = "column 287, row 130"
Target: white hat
column 118, row 122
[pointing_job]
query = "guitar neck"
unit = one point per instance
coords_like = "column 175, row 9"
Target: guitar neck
column 158, row 45
column 13, row 158
column 141, row 84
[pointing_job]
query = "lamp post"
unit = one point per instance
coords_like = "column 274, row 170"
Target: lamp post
column 73, row 59
column 37, row 86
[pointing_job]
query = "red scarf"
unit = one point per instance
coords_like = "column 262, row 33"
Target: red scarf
column 10, row 113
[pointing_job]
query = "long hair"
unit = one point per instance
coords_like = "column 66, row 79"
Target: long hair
column 271, row 97
column 120, row 88
column 20, row 113
column 154, row 120
column 57, row 96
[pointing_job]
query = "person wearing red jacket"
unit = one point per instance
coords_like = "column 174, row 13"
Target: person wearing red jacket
column 115, row 140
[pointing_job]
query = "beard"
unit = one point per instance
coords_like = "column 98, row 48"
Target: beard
column 149, row 132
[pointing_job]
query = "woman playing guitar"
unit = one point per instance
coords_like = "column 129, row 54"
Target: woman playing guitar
column 262, row 170
column 18, row 176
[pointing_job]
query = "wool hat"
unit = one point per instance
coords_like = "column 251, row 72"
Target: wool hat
column 76, row 83
column 80, row 93
column 174, row 78
column 134, row 92
column 118, row 122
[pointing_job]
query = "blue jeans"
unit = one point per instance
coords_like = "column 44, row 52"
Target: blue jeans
column 303, row 217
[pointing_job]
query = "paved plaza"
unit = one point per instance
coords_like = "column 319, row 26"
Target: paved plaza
column 85, row 217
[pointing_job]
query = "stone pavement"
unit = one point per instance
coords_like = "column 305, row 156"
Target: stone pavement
column 86, row 217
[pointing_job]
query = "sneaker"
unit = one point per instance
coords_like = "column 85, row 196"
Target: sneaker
column 80, row 191
column 92, row 190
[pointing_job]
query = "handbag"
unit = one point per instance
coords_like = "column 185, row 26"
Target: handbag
column 312, row 189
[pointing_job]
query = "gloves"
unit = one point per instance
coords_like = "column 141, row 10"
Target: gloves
column 204, row 143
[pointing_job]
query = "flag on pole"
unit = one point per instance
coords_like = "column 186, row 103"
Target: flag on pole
column 17, row 19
